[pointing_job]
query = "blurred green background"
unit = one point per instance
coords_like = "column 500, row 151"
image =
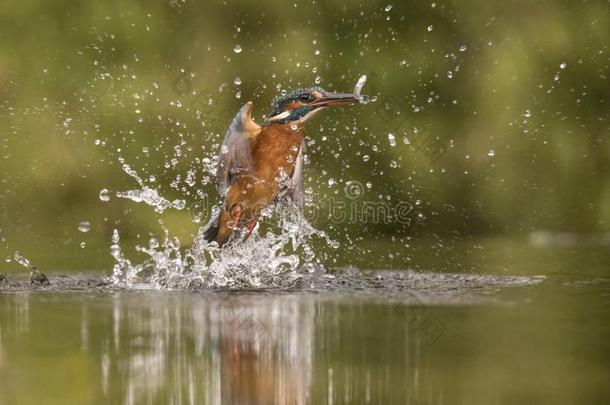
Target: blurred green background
column 500, row 113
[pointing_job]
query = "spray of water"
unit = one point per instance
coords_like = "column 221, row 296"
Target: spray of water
column 147, row 195
column 277, row 258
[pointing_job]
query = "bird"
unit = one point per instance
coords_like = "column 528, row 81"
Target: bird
column 259, row 165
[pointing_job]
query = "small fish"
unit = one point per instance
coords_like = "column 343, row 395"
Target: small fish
column 358, row 89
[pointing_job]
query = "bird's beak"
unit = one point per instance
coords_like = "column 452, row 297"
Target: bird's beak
column 338, row 99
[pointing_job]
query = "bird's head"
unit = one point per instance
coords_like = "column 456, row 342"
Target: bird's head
column 300, row 105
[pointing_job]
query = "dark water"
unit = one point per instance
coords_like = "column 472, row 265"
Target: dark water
column 434, row 339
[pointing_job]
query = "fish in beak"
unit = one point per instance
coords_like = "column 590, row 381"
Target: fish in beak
column 338, row 99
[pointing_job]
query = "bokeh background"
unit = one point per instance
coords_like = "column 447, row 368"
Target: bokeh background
column 492, row 121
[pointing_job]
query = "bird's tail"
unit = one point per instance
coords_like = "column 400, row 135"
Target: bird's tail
column 217, row 229
column 210, row 231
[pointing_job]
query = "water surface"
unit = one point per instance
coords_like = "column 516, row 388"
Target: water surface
column 481, row 340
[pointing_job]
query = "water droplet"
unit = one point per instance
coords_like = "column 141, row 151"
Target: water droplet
column 104, row 194
column 316, row 52
column 179, row 204
column 393, row 164
column 366, row 158
column 369, row 185
column 237, row 48
column 450, row 74
column 7, row 259
column 237, row 81
column 22, row 261
column 84, row 226
column 563, row 65
column 83, row 245
column 392, row 140
column 115, row 236
column 463, row 48
column 331, row 182
column 527, row 114
column 430, row 28
column 491, row 153
column 388, row 7
column 294, row 126
column 318, row 80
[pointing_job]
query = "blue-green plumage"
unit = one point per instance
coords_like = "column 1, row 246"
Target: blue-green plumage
column 305, row 95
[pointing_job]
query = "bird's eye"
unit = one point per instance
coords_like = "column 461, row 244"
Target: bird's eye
column 314, row 95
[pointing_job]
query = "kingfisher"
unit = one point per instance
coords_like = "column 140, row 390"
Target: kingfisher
column 259, row 165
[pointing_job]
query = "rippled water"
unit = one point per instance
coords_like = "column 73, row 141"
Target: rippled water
column 440, row 339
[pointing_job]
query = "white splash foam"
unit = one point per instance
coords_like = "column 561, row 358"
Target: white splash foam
column 148, row 195
column 274, row 259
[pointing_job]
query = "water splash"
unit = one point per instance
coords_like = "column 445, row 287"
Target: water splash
column 148, row 195
column 277, row 258
column 37, row 277
column 23, row 261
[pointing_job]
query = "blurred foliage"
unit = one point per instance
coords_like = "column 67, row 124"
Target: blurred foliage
column 513, row 96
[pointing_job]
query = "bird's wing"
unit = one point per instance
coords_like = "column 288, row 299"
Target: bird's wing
column 293, row 190
column 235, row 153
column 297, row 177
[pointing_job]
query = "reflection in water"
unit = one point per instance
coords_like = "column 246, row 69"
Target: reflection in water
column 155, row 347
column 172, row 348
column 231, row 349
